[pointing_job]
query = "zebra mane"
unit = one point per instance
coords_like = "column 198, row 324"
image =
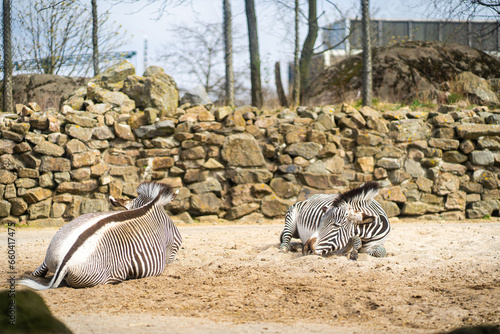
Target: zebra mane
column 365, row 192
column 149, row 191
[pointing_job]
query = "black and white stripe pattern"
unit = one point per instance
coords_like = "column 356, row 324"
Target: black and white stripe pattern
column 110, row 247
column 304, row 218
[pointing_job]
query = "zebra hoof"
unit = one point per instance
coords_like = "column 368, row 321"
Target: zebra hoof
column 284, row 249
column 378, row 252
column 354, row 256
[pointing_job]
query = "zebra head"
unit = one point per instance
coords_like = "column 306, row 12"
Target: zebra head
column 340, row 219
column 146, row 192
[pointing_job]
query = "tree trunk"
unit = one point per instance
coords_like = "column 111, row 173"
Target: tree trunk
column 279, row 85
column 95, row 43
column 296, row 61
column 308, row 48
column 253, row 42
column 7, row 58
column 367, row 53
column 228, row 53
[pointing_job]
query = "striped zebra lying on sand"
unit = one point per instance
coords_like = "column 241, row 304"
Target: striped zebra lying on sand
column 110, row 247
column 304, row 218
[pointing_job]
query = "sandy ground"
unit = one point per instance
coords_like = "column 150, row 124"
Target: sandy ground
column 233, row 279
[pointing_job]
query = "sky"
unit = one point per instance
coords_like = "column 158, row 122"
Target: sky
column 275, row 35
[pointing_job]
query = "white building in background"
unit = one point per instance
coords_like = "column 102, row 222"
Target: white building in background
column 345, row 35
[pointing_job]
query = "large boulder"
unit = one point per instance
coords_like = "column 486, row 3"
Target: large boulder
column 402, row 70
column 46, row 90
column 242, row 150
column 155, row 89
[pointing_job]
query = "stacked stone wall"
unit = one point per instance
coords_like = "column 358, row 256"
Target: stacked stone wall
column 242, row 164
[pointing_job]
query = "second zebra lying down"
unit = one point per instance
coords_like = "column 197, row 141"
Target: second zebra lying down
column 323, row 223
column 110, row 247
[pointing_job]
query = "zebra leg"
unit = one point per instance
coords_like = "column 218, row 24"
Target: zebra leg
column 289, row 231
column 40, row 271
column 356, row 245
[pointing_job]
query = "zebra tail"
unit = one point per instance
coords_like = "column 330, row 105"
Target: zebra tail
column 54, row 282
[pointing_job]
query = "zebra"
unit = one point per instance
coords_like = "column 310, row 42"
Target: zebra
column 352, row 221
column 304, row 218
column 110, row 247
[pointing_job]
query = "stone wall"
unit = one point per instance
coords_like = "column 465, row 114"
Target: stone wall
column 242, row 164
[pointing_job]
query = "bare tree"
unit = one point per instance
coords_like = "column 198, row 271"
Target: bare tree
column 228, row 53
column 464, row 9
column 253, row 42
column 367, row 53
column 7, row 57
column 279, row 85
column 95, row 38
column 308, row 47
column 296, row 59
column 198, row 51
column 56, row 34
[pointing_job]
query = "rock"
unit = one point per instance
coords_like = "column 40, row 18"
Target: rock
column 366, row 164
column 40, row 209
column 35, row 195
column 481, row 209
column 486, row 178
column 78, row 132
column 476, row 89
column 444, row 144
column 454, row 157
column 257, row 175
column 81, row 120
column 409, row 130
column 242, row 150
column 194, row 153
column 335, row 165
column 160, row 129
column 273, row 206
column 241, row 194
column 114, row 76
column 124, row 131
column 53, row 164
column 322, row 181
column 155, row 90
column 475, row 131
column 210, row 185
column 390, row 208
column 456, row 201
column 94, row 205
column 399, row 72
column 183, row 217
column 446, row 183
column 388, row 163
column 48, row 148
column 103, row 133
column 83, row 159
column 482, row 158
column 306, row 150
column 393, row 194
column 241, row 210
column 77, row 187
column 283, row 188
column 5, row 208
column 206, row 203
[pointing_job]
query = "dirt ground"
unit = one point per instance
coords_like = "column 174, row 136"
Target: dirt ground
column 233, row 279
